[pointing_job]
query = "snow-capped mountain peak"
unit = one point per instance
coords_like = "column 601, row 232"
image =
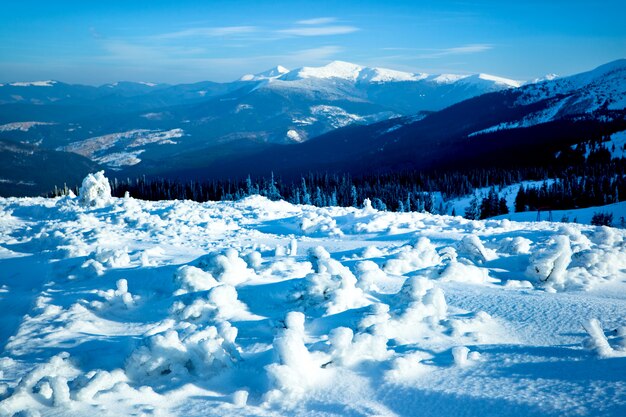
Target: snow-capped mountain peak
column 354, row 73
column 475, row 79
column 602, row 86
column 482, row 78
column 388, row 75
column 269, row 74
column 335, row 69
column 446, row 78
column 547, row 77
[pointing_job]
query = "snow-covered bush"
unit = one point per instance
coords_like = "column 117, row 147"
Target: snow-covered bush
column 471, row 248
column 97, row 381
column 464, row 271
column 228, row 267
column 319, row 224
column 348, row 349
column 113, row 258
column 548, row 266
column 369, row 274
column 515, row 245
column 409, row 367
column 176, row 354
column 374, row 315
column 462, row 356
column 332, row 285
column 95, row 190
column 295, row 369
column 598, row 342
column 192, row 279
column 49, row 378
column 421, row 294
column 418, row 312
column 118, row 298
column 412, row 258
column 221, row 303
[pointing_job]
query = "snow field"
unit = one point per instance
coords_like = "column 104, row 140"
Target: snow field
column 126, row 307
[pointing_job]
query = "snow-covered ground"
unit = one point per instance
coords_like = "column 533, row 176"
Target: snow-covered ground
column 119, row 149
column 509, row 192
column 582, row 215
column 116, row 307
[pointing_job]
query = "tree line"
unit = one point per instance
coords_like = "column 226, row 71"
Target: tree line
column 582, row 185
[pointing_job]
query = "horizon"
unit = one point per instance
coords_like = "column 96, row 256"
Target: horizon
column 97, row 44
column 239, row 78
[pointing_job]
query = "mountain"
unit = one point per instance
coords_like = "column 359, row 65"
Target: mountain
column 530, row 125
column 275, row 72
column 27, row 170
column 118, row 125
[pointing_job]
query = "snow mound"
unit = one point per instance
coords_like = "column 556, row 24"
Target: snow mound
column 412, row 258
column 331, row 286
column 95, row 190
column 173, row 355
column 296, row 370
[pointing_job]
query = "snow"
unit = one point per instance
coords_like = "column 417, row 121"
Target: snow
column 547, row 77
column 475, row 79
column 616, row 145
column 294, row 136
column 355, row 73
column 117, row 306
column 589, row 91
column 22, row 126
column 458, row 205
column 446, row 78
column 481, row 78
column 95, row 190
column 581, row 215
column 119, row 149
column 272, row 73
column 336, row 116
column 335, row 69
column 48, row 83
column 380, row 75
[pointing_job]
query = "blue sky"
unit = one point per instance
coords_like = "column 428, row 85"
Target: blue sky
column 95, row 42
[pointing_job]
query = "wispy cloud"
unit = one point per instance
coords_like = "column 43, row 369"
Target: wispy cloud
column 208, row 32
column 317, row 21
column 313, row 54
column 459, row 50
column 318, row 30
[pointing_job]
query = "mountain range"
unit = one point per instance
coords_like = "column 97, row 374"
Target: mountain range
column 533, row 125
column 339, row 117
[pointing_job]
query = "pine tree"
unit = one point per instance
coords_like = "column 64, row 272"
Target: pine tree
column 306, row 197
column 472, row 212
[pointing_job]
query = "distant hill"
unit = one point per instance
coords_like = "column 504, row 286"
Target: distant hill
column 26, row 170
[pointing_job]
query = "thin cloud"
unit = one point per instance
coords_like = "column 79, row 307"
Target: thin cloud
column 317, row 21
column 459, row 50
column 208, row 32
column 313, row 54
column 319, row 31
